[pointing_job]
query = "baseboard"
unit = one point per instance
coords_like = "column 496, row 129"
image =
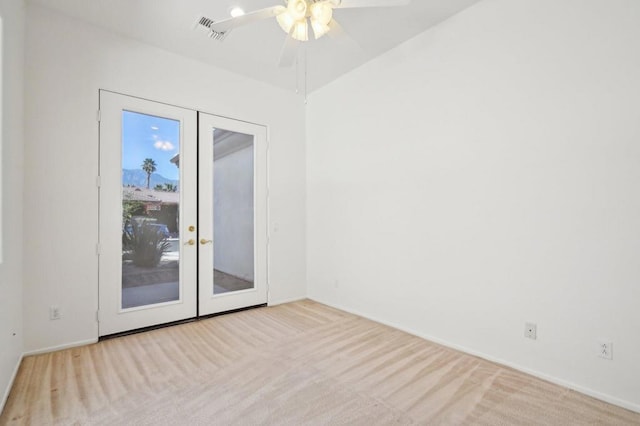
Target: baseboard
column 5, row 397
column 61, row 347
column 283, row 301
column 578, row 388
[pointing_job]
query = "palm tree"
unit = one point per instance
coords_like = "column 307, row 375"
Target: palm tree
column 149, row 166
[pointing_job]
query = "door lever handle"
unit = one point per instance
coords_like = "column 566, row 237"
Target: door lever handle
column 203, row 241
column 190, row 242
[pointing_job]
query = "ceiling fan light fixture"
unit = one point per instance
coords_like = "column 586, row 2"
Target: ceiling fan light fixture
column 321, row 12
column 319, row 29
column 300, row 30
column 286, row 21
column 297, row 9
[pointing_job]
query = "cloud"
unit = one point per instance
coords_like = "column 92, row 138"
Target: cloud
column 154, row 128
column 164, row 146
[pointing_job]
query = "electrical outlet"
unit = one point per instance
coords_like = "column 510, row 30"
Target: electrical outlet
column 530, row 331
column 54, row 313
column 605, row 349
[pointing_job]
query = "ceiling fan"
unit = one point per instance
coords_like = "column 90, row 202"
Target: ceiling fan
column 295, row 19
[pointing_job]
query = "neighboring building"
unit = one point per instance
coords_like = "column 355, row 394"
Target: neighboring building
column 161, row 205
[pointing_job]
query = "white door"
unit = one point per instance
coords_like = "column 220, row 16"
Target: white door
column 148, row 213
column 183, row 211
column 232, row 214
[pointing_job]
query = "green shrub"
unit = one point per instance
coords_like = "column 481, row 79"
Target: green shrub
column 145, row 243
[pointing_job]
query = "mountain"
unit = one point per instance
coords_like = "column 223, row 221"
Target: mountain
column 138, row 177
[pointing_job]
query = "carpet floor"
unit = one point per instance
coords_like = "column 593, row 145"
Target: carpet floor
column 294, row 364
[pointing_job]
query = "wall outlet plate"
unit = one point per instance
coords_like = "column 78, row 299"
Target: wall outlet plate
column 605, row 349
column 530, row 331
column 54, row 313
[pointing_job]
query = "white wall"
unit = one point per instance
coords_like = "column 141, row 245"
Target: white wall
column 487, row 173
column 67, row 62
column 233, row 219
column 11, row 339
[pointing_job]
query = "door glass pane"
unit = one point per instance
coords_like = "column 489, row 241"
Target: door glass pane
column 150, row 209
column 233, row 254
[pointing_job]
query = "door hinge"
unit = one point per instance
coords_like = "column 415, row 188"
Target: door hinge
column 98, row 116
column 98, row 181
column 98, row 249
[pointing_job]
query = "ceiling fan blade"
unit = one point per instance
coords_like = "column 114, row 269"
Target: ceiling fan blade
column 249, row 18
column 339, row 35
column 343, row 4
column 289, row 52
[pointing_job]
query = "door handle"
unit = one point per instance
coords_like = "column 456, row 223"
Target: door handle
column 191, row 242
column 203, row 241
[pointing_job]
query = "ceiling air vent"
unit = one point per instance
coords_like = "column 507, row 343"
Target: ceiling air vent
column 205, row 23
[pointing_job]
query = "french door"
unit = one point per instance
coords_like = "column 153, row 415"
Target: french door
column 232, row 214
column 183, row 209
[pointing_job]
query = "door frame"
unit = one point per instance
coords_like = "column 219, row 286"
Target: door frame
column 106, row 171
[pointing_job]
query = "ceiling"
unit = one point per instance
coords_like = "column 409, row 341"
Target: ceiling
column 254, row 50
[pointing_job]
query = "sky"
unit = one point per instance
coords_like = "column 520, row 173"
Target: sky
column 147, row 136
